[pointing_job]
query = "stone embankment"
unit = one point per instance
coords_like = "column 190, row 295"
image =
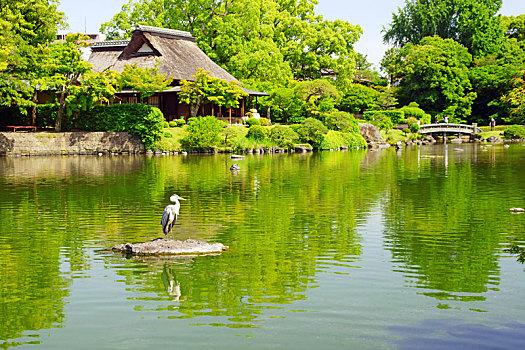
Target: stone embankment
column 68, row 143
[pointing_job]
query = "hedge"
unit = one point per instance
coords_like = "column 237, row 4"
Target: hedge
column 143, row 120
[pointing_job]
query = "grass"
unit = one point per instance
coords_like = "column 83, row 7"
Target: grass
column 171, row 143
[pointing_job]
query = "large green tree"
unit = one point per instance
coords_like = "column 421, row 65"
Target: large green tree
column 207, row 89
column 257, row 41
column 473, row 23
column 435, row 75
column 26, row 28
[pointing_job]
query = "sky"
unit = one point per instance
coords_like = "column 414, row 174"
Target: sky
column 371, row 15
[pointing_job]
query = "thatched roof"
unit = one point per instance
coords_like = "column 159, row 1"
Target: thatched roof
column 176, row 50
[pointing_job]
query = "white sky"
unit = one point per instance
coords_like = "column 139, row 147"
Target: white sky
column 371, row 15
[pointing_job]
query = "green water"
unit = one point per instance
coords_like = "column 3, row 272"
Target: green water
column 330, row 250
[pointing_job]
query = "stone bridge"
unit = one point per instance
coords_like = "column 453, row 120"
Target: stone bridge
column 449, row 128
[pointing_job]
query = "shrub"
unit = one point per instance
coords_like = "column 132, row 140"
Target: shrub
column 311, row 131
column 264, row 121
column 376, row 117
column 180, row 122
column 283, row 136
column 168, row 134
column 253, row 121
column 414, row 128
column 257, row 132
column 172, row 123
column 341, row 121
column 202, row 133
column 143, row 120
column 333, row 140
column 165, row 125
column 514, row 132
column 354, row 140
column 231, row 134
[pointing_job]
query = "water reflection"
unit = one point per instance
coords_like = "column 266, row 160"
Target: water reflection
column 293, row 223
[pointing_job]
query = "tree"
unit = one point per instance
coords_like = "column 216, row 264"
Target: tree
column 435, row 75
column 286, row 101
column 207, row 89
column 67, row 67
column 514, row 27
column 26, row 28
column 473, row 23
column 319, row 96
column 516, row 100
column 272, row 40
column 358, row 98
column 146, row 81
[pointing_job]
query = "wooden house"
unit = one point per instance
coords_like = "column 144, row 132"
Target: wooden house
column 179, row 58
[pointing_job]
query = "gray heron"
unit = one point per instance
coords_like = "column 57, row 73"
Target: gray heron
column 171, row 212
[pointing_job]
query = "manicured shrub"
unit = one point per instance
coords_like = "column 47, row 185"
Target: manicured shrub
column 257, row 132
column 202, row 133
column 341, row 121
column 168, row 134
column 355, row 140
column 414, row 128
column 284, row 136
column 253, row 121
column 333, row 140
column 143, row 120
column 514, row 132
column 231, row 134
column 264, row 121
column 165, row 125
column 181, row 122
column 311, row 131
column 172, row 123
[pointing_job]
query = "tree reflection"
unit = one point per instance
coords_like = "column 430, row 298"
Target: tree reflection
column 440, row 229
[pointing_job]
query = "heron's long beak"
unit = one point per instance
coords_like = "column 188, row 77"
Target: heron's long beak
column 182, row 198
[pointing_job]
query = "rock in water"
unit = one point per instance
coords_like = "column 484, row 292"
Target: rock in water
column 162, row 246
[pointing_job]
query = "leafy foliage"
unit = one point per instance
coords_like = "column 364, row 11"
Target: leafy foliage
column 341, row 121
column 516, row 100
column 514, row 132
column 474, row 24
column 311, row 131
column 284, row 136
column 26, row 28
column 143, row 120
column 359, row 98
column 435, row 75
column 257, row 132
column 207, row 89
column 270, row 40
column 146, row 81
column 252, row 121
column 202, row 133
column 337, row 139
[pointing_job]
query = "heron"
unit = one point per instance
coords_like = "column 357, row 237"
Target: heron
column 171, row 212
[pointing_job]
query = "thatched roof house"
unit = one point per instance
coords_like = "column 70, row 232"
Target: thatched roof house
column 179, row 57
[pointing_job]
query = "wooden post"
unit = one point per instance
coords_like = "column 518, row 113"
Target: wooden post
column 230, row 112
column 242, row 107
column 213, row 110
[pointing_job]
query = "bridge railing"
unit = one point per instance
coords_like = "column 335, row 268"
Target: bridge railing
column 449, row 128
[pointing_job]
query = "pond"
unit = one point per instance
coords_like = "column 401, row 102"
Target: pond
column 331, row 250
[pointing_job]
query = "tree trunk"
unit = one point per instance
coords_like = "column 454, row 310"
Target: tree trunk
column 33, row 110
column 60, row 113
column 194, row 108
